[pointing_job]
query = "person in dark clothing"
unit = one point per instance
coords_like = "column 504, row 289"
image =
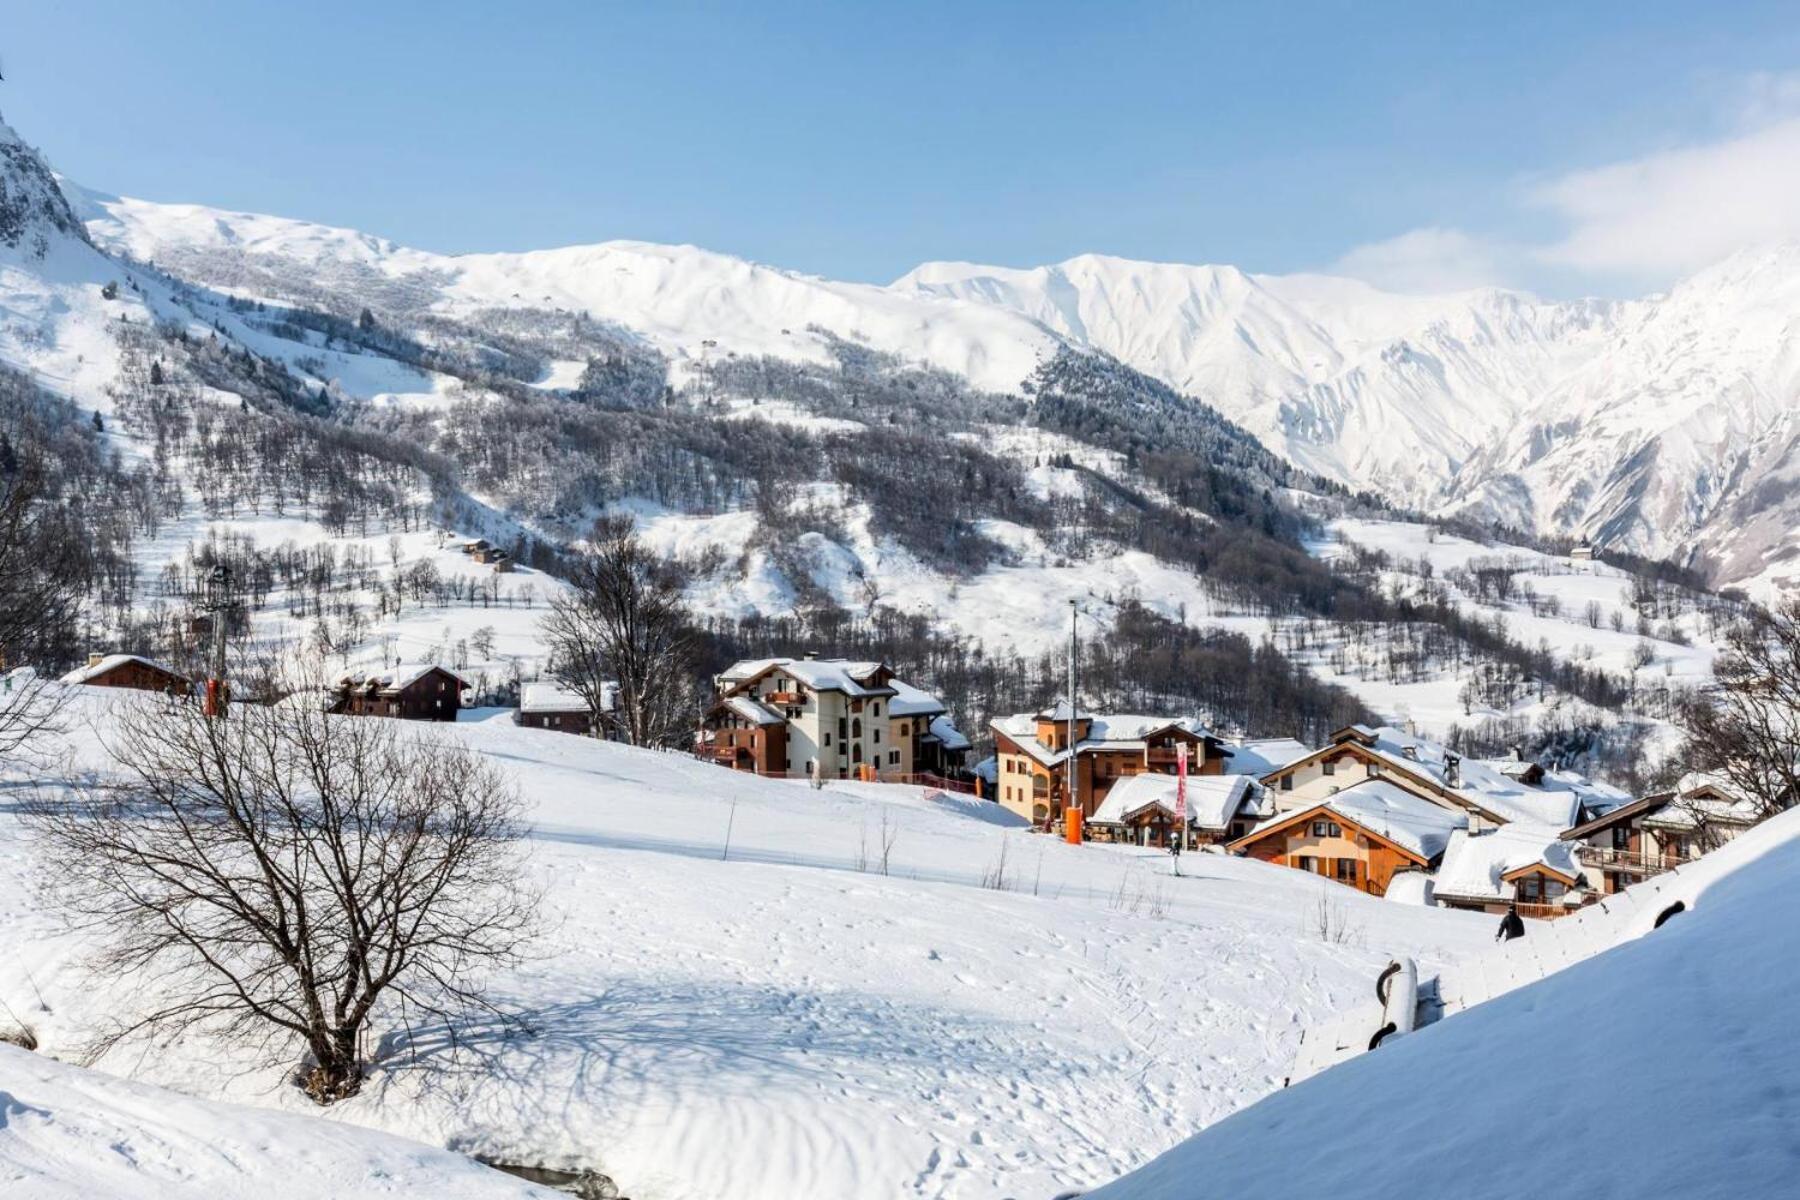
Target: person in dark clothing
column 1510, row 925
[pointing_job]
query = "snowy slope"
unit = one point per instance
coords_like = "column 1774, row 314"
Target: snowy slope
column 1654, row 1070
column 70, row 1134
column 736, row 1000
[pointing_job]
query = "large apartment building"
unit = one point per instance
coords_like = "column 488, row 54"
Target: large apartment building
column 1032, row 752
column 831, row 718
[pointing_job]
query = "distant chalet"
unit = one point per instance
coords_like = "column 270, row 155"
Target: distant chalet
column 411, row 692
column 130, row 671
column 548, row 706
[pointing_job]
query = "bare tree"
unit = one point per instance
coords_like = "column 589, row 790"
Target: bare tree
column 1745, row 730
column 623, row 622
column 292, row 878
column 36, row 600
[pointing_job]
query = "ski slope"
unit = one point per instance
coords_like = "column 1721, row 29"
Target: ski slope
column 735, row 999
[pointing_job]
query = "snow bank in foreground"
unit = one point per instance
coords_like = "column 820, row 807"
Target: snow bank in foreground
column 75, row 1134
column 1663, row 1068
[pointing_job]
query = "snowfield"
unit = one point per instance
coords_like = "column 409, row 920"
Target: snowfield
column 1660, row 1069
column 735, row 999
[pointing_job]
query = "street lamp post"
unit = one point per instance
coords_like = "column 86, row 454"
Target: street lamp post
column 216, row 598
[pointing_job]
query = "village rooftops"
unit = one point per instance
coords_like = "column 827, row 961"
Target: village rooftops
column 1116, row 732
column 398, row 678
column 855, row 679
column 1212, row 800
column 1485, row 867
column 112, row 662
column 1386, row 810
column 1501, row 788
column 1700, row 803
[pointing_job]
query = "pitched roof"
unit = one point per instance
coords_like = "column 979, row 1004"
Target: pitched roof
column 1261, row 756
column 1475, row 866
column 1385, row 810
column 820, row 674
column 400, row 676
column 750, row 710
column 554, row 698
column 1212, row 800
column 947, row 734
column 909, row 701
column 113, row 662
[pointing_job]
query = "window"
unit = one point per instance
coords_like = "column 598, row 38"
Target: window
column 1345, row 870
column 1530, row 889
column 1374, row 770
column 1330, row 766
column 893, row 757
column 1326, row 829
column 843, row 728
column 856, row 728
column 1307, row 862
column 1554, row 889
column 828, row 738
column 875, row 709
column 1621, row 837
column 900, row 729
column 1287, row 783
column 878, row 735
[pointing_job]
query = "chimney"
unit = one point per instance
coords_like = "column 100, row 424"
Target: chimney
column 808, row 655
column 95, row 660
column 1411, row 752
column 1453, row 769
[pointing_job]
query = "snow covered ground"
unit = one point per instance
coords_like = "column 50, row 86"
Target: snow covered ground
column 73, row 1134
column 736, row 1000
column 1661, row 1069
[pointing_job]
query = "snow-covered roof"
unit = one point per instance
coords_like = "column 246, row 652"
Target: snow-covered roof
column 1115, row 731
column 400, row 676
column 113, row 662
column 756, row 714
column 1474, row 865
column 1389, row 811
column 820, row 674
column 1260, row 756
column 1489, row 784
column 909, row 701
column 947, row 734
column 554, row 698
column 1212, row 800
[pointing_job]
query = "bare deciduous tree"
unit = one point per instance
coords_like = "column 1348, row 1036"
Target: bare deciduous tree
column 34, row 598
column 623, row 622
column 1745, row 730
column 292, row 878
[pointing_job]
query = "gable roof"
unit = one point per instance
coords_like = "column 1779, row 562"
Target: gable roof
column 820, row 674
column 1263, row 756
column 947, row 734
column 752, row 711
column 554, row 698
column 1212, row 800
column 909, row 701
column 1382, row 809
column 399, row 677
column 1484, row 866
column 113, row 662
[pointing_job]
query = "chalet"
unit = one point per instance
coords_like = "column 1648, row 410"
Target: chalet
column 1646, row 837
column 1033, row 751
column 1361, row 836
column 1582, row 551
column 1491, row 793
column 551, row 706
column 411, row 692
column 1140, row 809
column 1529, row 866
column 130, row 671
column 832, row 718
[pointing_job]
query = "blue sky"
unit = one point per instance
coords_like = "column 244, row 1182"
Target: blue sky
column 858, row 140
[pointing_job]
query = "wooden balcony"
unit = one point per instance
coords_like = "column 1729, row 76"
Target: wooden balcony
column 1627, row 861
column 785, row 698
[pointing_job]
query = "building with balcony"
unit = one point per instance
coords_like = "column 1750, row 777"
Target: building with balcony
column 1033, row 752
column 831, row 718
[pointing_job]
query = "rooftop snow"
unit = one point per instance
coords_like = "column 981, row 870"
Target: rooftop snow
column 1473, row 864
column 1212, row 800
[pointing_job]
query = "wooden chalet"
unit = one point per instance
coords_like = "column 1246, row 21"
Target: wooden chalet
column 1658, row 833
column 1140, row 810
column 551, row 706
column 415, row 692
column 1360, row 836
column 130, row 671
column 1528, row 867
column 1357, row 753
column 1032, row 752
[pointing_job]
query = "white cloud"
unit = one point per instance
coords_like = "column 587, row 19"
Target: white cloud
column 1432, row 259
column 1669, row 213
column 1634, row 223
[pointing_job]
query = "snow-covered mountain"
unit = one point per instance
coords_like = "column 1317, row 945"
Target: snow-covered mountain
column 1664, row 426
